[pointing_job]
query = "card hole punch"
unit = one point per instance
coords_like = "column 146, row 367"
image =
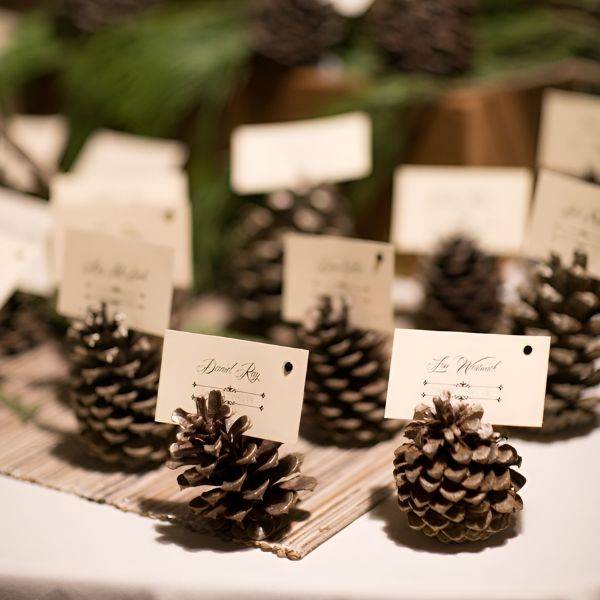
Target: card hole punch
column 527, row 350
column 288, row 367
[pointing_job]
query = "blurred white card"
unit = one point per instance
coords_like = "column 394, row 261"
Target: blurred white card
column 570, row 133
column 265, row 158
column 152, row 223
column 154, row 209
column 30, row 221
column 351, row 8
column 131, row 276
column 15, row 258
column 488, row 204
column 8, row 24
column 167, row 188
column 112, row 151
column 263, row 381
column 505, row 374
column 42, row 138
column 566, row 217
column 361, row 270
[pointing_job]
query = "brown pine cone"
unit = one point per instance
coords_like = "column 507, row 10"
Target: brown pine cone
column 256, row 271
column 431, row 36
column 21, row 325
column 454, row 475
column 114, row 382
column 462, row 289
column 295, row 32
column 564, row 302
column 347, row 377
column 246, row 488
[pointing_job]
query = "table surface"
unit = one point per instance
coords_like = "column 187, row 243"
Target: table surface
column 57, row 546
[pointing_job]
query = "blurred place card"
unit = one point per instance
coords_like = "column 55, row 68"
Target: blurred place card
column 265, row 158
column 167, row 188
column 151, row 217
column 41, row 138
column 115, row 152
column 505, row 374
column 15, row 258
column 30, row 221
column 570, row 133
column 489, row 205
column 360, row 270
column 262, row 381
column 351, row 8
column 566, row 217
column 131, row 276
column 8, row 24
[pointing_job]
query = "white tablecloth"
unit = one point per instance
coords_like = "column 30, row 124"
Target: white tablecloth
column 56, row 547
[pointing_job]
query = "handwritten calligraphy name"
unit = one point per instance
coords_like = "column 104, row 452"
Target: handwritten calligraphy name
column 244, row 371
column 344, row 266
column 117, row 271
column 463, row 364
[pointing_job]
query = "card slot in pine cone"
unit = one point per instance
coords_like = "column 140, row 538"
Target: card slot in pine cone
column 34, row 450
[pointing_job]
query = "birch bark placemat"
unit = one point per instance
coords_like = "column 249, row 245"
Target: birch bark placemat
column 45, row 449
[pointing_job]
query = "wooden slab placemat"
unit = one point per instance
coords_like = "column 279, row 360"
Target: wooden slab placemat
column 45, row 450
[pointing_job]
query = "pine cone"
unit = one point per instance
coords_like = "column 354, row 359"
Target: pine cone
column 347, row 377
column 432, row 36
column 564, row 302
column 21, row 325
column 295, row 32
column 454, row 477
column 245, row 487
column 257, row 267
column 462, row 289
column 91, row 15
column 114, row 382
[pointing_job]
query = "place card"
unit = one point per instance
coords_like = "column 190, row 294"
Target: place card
column 487, row 204
column 268, row 157
column 29, row 220
column 15, row 258
column 130, row 276
column 505, row 374
column 262, row 381
column 116, row 152
column 81, row 204
column 361, row 270
column 8, row 24
column 42, row 138
column 351, row 8
column 570, row 133
column 566, row 217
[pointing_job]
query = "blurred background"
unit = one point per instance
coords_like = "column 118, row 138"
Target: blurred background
column 453, row 82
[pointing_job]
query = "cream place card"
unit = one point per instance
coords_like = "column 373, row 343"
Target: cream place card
column 566, row 217
column 351, row 8
column 570, row 133
column 505, row 374
column 8, row 24
column 262, row 381
column 112, row 151
column 30, row 220
column 154, row 221
column 15, row 258
column 360, row 270
column 489, row 204
column 275, row 156
column 130, row 276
